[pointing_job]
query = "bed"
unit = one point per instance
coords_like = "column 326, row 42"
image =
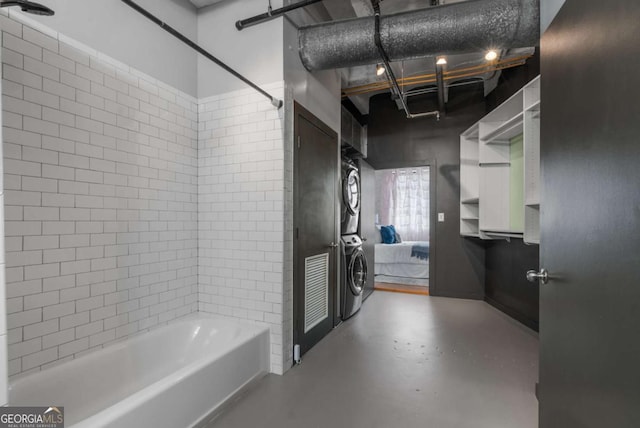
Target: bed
column 402, row 263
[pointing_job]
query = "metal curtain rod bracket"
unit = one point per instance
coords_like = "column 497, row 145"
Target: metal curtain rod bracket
column 274, row 101
column 391, row 76
column 272, row 14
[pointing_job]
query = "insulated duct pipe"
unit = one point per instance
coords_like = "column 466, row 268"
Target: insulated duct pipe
column 469, row 26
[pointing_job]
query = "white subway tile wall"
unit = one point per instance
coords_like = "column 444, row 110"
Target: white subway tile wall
column 4, row 392
column 101, row 194
column 241, row 211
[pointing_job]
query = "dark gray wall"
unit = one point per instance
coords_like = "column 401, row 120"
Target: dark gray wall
column 396, row 142
column 461, row 267
column 506, row 286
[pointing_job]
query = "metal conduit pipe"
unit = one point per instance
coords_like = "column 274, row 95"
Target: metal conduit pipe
column 440, row 84
column 469, row 26
column 390, row 74
column 272, row 14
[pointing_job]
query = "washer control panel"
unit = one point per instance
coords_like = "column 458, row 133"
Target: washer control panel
column 351, row 241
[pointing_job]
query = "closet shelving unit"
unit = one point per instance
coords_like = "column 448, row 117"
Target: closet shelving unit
column 500, row 171
column 469, row 189
column 532, row 162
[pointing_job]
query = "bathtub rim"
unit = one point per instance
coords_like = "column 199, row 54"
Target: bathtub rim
column 121, row 343
column 153, row 389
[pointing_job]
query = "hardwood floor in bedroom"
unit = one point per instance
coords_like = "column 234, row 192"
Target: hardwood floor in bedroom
column 405, row 361
column 402, row 288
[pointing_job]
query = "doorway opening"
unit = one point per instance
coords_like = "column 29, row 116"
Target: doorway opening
column 403, row 219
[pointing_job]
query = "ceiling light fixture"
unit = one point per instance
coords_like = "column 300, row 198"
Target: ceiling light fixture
column 491, row 55
column 441, row 61
column 380, row 70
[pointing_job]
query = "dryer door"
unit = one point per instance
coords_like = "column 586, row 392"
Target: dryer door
column 351, row 191
column 357, row 272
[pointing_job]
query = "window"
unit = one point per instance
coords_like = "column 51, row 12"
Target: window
column 403, row 200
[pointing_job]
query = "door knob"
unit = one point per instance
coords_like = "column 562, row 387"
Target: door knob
column 333, row 245
column 533, row 276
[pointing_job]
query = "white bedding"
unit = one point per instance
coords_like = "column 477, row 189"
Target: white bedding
column 405, row 270
column 399, row 253
column 395, row 264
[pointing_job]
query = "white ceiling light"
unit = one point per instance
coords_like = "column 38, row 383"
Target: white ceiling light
column 441, row 61
column 380, row 70
column 491, row 55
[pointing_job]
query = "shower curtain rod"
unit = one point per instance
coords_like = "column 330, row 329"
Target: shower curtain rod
column 274, row 101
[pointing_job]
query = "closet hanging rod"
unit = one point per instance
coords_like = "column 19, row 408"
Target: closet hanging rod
column 274, row 101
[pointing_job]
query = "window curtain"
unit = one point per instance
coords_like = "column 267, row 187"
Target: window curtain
column 403, row 200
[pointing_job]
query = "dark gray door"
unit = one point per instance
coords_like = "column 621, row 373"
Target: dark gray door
column 368, row 229
column 316, row 234
column 590, row 242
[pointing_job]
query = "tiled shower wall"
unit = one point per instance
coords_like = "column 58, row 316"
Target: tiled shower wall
column 101, row 171
column 241, row 211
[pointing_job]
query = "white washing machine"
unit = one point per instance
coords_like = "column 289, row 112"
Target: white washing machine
column 353, row 275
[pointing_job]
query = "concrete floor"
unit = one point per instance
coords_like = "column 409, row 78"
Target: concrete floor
column 405, row 361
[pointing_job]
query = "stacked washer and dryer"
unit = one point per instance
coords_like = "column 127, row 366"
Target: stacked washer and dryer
column 353, row 265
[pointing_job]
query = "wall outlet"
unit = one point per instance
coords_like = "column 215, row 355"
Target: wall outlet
column 441, row 217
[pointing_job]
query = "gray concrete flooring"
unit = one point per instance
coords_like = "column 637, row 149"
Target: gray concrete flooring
column 405, row 361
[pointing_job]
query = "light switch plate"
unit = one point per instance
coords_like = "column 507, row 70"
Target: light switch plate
column 441, row 217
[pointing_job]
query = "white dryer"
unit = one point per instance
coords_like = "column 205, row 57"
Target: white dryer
column 350, row 213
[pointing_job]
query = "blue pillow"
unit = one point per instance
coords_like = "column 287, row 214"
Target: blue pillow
column 388, row 234
column 395, row 234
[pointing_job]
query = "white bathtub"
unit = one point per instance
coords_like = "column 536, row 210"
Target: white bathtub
column 174, row 376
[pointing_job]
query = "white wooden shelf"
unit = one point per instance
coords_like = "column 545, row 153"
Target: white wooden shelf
column 532, row 224
column 533, row 107
column 470, row 186
column 500, row 171
column 506, row 131
column 472, row 132
column 532, row 162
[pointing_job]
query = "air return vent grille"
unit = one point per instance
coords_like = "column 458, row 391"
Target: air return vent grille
column 316, row 290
